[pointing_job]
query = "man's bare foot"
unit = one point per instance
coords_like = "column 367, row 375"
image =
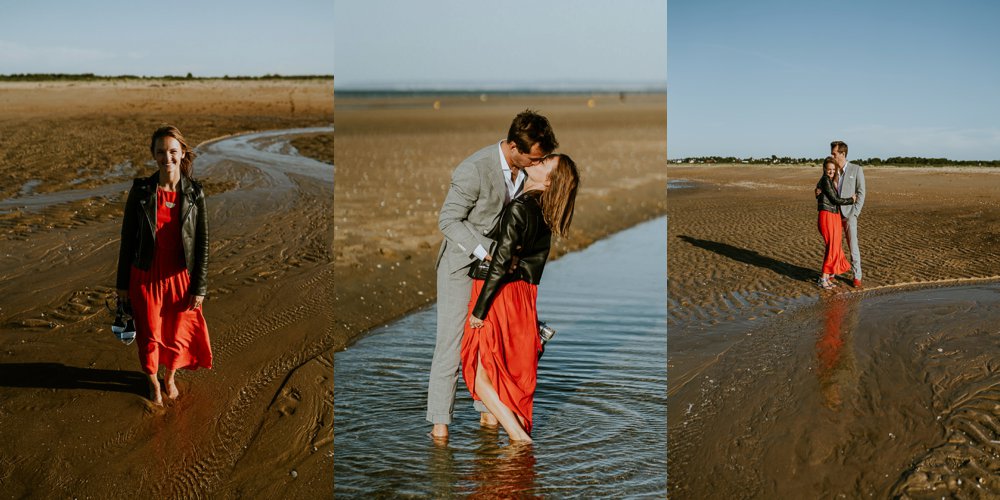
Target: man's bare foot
column 488, row 420
column 440, row 432
column 171, row 384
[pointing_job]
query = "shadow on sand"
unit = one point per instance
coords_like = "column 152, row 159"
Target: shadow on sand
column 753, row 258
column 60, row 376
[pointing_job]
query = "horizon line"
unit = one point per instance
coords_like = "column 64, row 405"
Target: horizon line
column 183, row 76
column 505, row 87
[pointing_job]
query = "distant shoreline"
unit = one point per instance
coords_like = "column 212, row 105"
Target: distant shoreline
column 89, row 77
column 380, row 93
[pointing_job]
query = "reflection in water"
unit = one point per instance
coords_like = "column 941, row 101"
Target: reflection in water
column 888, row 395
column 503, row 473
column 836, row 366
column 600, row 420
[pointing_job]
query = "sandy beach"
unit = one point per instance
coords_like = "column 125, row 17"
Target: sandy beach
column 394, row 163
column 74, row 417
column 763, row 396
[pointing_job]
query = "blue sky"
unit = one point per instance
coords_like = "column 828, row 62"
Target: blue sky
column 889, row 77
column 142, row 37
column 515, row 43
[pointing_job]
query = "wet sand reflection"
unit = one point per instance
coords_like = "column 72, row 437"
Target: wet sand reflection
column 836, row 366
column 880, row 394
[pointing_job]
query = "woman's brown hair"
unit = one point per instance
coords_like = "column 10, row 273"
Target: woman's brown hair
column 187, row 163
column 836, row 170
column 559, row 199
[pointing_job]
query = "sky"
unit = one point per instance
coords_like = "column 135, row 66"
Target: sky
column 150, row 38
column 787, row 77
column 460, row 44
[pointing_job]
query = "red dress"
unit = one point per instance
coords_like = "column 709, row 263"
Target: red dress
column 168, row 333
column 508, row 345
column 834, row 260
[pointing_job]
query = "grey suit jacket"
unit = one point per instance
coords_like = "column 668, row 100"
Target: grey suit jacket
column 471, row 208
column 853, row 182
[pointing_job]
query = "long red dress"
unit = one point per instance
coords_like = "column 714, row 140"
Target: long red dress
column 508, row 345
column 834, row 260
column 168, row 333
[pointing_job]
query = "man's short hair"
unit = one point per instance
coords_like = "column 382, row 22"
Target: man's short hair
column 529, row 128
column 839, row 146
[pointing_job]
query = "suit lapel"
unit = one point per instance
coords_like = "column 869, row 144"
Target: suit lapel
column 496, row 175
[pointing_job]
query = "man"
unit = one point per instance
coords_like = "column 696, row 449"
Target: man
column 852, row 181
column 480, row 186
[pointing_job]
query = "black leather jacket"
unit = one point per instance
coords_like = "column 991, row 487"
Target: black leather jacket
column 522, row 249
column 828, row 199
column 139, row 231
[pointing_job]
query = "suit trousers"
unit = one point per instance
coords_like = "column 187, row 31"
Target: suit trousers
column 851, row 231
column 453, row 291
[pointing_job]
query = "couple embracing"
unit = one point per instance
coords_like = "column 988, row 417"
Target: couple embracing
column 504, row 203
column 840, row 194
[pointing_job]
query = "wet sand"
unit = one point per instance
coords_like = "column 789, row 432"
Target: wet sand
column 74, row 417
column 394, row 164
column 764, row 399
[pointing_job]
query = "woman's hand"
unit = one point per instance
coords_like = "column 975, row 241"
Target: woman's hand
column 854, row 198
column 195, row 302
column 475, row 322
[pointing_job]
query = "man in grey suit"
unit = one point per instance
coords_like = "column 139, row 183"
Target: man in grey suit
column 480, row 187
column 852, row 181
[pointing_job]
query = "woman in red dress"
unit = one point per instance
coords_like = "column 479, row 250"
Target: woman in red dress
column 828, row 203
column 163, row 264
column 501, row 346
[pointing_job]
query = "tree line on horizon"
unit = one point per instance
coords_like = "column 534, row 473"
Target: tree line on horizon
column 899, row 161
column 46, row 77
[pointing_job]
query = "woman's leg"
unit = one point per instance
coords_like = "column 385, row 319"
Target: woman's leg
column 507, row 418
column 171, row 384
column 154, row 389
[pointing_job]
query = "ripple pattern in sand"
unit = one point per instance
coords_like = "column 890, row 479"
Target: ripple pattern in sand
column 884, row 395
column 599, row 408
column 264, row 408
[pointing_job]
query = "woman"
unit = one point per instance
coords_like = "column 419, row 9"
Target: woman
column 830, row 227
column 163, row 263
column 500, row 347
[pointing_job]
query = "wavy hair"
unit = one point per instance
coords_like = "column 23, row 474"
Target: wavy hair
column 187, row 163
column 559, row 199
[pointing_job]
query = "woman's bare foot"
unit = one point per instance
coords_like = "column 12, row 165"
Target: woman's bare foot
column 154, row 390
column 488, row 420
column 171, row 384
column 522, row 440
